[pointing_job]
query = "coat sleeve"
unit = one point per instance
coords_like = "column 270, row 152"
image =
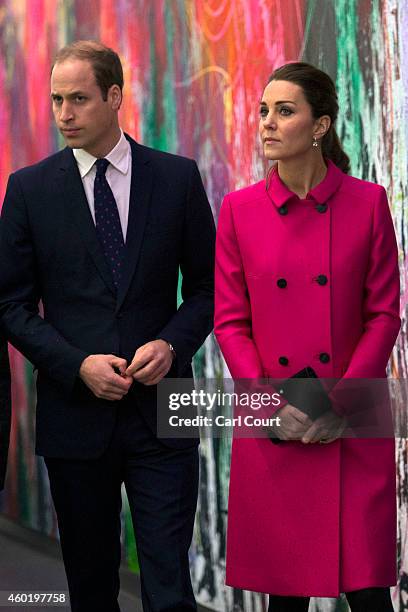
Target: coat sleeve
column 20, row 294
column 193, row 321
column 381, row 321
column 233, row 327
column 381, row 298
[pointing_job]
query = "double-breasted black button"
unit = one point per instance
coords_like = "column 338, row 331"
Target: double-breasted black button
column 283, row 361
column 322, row 279
column 282, row 283
column 324, row 357
column 321, row 208
column 283, row 210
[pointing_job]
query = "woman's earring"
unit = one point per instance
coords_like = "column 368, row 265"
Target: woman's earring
column 315, row 142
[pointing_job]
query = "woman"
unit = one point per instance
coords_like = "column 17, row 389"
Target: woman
column 307, row 275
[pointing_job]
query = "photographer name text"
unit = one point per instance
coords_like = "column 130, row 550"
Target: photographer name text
column 222, row 421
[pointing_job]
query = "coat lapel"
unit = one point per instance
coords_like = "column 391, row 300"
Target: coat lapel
column 75, row 198
column 139, row 202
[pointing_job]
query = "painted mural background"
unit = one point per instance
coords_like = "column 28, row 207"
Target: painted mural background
column 194, row 73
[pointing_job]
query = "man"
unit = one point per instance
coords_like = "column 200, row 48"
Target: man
column 98, row 232
column 5, row 408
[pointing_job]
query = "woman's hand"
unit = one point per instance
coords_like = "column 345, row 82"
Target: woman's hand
column 293, row 423
column 325, row 429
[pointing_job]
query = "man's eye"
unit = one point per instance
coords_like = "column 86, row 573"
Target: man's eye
column 80, row 98
column 57, row 100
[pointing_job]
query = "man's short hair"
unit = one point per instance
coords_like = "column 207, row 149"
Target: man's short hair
column 105, row 62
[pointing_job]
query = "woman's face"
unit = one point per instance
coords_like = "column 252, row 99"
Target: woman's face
column 286, row 124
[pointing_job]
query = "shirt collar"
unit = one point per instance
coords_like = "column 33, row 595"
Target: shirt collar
column 280, row 194
column 119, row 157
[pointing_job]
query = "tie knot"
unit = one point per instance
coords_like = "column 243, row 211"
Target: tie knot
column 101, row 165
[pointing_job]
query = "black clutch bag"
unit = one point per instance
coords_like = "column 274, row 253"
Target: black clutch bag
column 309, row 396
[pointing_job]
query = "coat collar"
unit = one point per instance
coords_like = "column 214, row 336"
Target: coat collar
column 140, row 195
column 280, row 194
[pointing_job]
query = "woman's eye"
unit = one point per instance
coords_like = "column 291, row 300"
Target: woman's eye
column 263, row 111
column 285, row 111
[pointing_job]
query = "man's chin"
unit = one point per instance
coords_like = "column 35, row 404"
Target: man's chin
column 74, row 142
column 73, row 145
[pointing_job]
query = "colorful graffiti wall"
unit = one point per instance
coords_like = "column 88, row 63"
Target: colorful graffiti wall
column 194, row 73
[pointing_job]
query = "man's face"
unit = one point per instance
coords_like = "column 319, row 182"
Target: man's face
column 84, row 118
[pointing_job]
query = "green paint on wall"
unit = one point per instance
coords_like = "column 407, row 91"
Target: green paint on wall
column 170, row 127
column 350, row 85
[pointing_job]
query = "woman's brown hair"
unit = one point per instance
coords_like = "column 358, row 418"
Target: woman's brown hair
column 320, row 92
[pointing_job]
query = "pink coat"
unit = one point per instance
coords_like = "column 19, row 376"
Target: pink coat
column 309, row 519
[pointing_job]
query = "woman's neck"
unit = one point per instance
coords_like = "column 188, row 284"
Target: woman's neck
column 302, row 175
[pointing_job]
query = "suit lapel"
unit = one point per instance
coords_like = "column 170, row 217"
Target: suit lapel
column 75, row 198
column 70, row 181
column 139, row 202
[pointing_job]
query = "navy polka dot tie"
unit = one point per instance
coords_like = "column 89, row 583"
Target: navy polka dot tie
column 107, row 222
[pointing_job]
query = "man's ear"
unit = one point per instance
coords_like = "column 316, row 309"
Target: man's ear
column 115, row 97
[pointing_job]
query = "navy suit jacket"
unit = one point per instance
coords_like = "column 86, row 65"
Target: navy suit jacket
column 49, row 252
column 5, row 408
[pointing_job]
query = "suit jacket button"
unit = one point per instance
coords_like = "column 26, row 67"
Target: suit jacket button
column 321, row 208
column 282, row 283
column 283, row 210
column 324, row 357
column 322, row 279
column 283, row 361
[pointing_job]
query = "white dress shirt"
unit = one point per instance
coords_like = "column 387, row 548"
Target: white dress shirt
column 118, row 175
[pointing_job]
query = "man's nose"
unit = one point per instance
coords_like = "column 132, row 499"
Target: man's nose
column 66, row 113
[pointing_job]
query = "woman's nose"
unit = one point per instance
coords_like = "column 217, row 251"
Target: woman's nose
column 270, row 121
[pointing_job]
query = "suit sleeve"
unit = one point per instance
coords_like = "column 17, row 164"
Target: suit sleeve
column 5, row 408
column 20, row 294
column 193, row 321
column 233, row 327
column 380, row 305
